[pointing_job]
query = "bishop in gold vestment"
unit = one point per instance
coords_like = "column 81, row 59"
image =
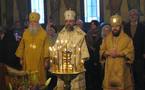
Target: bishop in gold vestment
column 117, row 52
column 75, row 38
column 33, row 48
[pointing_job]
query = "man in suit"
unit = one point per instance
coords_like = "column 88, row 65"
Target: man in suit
column 135, row 30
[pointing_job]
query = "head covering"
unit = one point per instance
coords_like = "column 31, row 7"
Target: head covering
column 115, row 20
column 104, row 32
column 34, row 17
column 134, row 11
column 106, row 26
column 69, row 15
column 79, row 21
column 95, row 22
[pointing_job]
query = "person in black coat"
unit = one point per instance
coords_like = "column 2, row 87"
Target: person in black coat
column 11, row 41
column 93, row 67
column 135, row 30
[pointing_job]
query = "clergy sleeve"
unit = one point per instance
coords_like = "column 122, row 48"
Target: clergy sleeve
column 102, row 51
column 20, row 50
column 84, row 50
column 129, row 52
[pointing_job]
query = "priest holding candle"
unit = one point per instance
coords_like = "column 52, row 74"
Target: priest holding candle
column 74, row 36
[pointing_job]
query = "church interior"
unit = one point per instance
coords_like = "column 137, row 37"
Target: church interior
column 16, row 18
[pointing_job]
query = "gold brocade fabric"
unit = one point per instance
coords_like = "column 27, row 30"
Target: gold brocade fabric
column 75, row 38
column 118, row 73
column 33, row 50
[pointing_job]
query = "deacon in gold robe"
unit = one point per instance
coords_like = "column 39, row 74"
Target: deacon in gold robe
column 117, row 52
column 33, row 48
column 73, row 38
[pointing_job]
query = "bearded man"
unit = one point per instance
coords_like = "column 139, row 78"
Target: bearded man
column 117, row 52
column 135, row 30
column 33, row 48
column 75, row 37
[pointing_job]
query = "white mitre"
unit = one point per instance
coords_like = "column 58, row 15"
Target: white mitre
column 69, row 15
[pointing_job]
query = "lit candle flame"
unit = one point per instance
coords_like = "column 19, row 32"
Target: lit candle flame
column 74, row 45
column 54, row 49
column 61, row 41
column 57, row 41
column 33, row 46
column 114, row 20
column 65, row 41
column 50, row 48
column 50, row 61
column 65, row 49
column 82, row 61
column 79, row 49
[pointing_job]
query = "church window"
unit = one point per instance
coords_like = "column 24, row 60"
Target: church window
column 91, row 10
column 38, row 6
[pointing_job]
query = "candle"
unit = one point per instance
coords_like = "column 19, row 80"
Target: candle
column 51, row 62
column 79, row 54
column 57, row 52
column 66, row 44
column 61, row 41
column 66, row 41
column 57, row 41
column 63, row 61
column 75, row 54
column 53, row 54
column 50, row 55
column 55, row 66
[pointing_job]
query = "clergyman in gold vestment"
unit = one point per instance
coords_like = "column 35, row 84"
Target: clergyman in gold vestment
column 75, row 37
column 117, row 52
column 33, row 48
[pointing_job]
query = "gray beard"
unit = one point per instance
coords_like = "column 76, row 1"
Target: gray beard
column 34, row 30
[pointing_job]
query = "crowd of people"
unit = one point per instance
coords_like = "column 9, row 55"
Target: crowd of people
column 113, row 54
